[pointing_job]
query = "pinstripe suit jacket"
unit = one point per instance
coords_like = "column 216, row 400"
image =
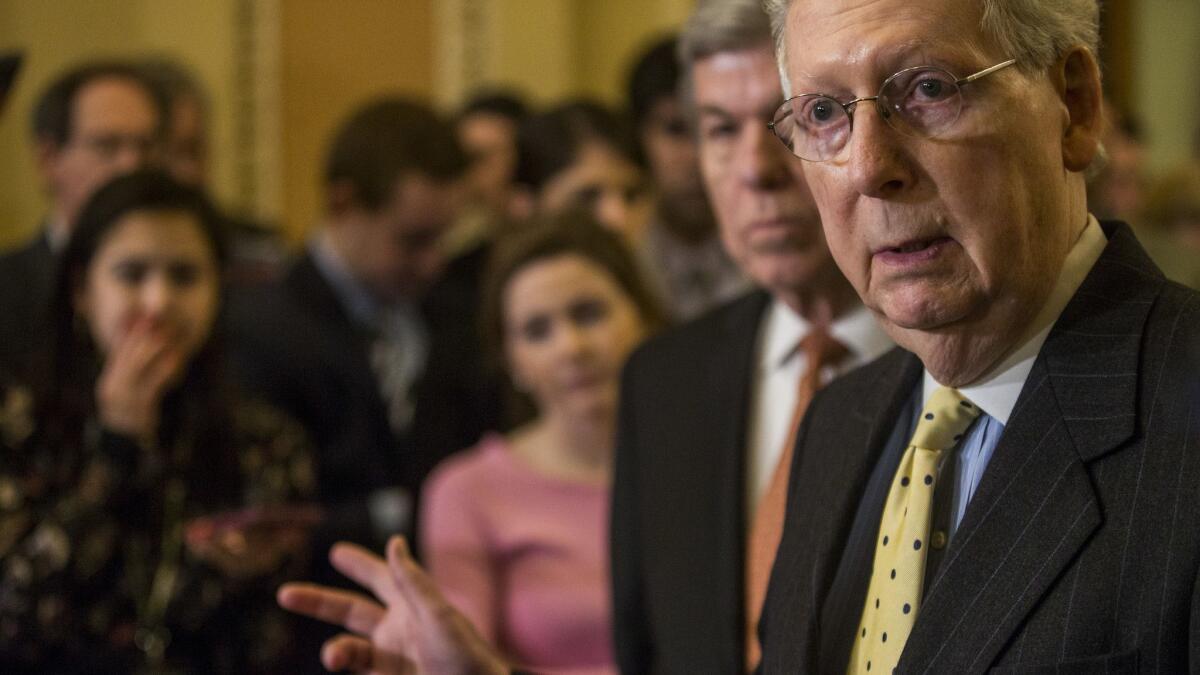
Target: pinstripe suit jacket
column 1079, row 552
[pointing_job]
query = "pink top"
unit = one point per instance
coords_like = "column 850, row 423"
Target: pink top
column 524, row 556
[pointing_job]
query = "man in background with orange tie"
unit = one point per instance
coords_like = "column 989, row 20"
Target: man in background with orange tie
column 709, row 410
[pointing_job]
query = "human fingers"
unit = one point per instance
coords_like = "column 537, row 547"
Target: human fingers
column 352, row 611
column 125, row 356
column 164, row 367
column 366, row 568
column 136, row 355
column 346, row 652
column 417, row 587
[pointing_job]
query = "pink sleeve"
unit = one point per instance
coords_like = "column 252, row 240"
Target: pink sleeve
column 455, row 546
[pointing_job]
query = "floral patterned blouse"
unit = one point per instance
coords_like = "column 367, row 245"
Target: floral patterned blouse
column 95, row 575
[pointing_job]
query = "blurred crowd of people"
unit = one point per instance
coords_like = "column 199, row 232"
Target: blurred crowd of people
column 191, row 415
column 1163, row 206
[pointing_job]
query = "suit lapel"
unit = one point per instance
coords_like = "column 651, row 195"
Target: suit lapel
column 1035, row 506
column 734, row 379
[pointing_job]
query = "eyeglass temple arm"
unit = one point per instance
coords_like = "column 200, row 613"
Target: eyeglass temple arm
column 986, row 71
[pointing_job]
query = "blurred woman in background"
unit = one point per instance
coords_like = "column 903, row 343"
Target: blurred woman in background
column 579, row 155
column 145, row 508
column 515, row 529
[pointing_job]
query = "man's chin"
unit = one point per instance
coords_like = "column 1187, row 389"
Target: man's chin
column 923, row 317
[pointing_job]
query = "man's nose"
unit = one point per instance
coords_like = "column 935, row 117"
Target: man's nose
column 132, row 155
column 762, row 159
column 875, row 154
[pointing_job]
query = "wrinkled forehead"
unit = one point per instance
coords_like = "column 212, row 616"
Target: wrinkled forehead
column 736, row 78
column 837, row 42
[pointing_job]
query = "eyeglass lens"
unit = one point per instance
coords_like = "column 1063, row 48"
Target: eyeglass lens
column 923, row 101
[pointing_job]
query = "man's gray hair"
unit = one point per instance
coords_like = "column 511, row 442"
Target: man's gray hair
column 717, row 26
column 1034, row 32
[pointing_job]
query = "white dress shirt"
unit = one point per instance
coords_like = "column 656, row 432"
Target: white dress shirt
column 778, row 368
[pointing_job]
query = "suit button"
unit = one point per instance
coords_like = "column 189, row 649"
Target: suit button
column 938, row 540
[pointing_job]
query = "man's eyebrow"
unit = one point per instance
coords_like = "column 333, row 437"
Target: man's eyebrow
column 712, row 110
column 767, row 111
column 884, row 59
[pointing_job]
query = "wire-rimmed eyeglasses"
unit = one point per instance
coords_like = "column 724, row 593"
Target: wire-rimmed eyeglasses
column 923, row 101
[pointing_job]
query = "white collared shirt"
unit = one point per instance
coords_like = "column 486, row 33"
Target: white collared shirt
column 778, row 368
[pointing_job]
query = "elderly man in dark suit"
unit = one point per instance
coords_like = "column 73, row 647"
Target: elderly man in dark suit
column 701, row 462
column 1014, row 489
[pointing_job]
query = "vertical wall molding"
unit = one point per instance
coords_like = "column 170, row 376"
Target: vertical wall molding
column 259, row 171
column 464, row 40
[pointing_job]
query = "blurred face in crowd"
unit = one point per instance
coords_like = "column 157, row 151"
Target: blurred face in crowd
column 766, row 215
column 955, row 241
column 490, row 141
column 113, row 131
column 185, row 154
column 604, row 182
column 670, row 150
column 154, row 277
column 394, row 250
column 568, row 329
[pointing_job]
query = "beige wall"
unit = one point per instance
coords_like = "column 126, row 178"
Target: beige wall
column 548, row 49
column 612, row 33
column 335, row 56
column 1167, row 77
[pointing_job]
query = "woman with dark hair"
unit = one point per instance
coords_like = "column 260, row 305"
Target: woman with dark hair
column 579, row 155
column 514, row 530
column 142, row 503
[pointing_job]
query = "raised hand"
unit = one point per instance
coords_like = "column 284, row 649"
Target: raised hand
column 136, row 375
column 414, row 630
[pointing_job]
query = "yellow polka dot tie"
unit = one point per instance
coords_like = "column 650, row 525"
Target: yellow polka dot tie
column 898, row 574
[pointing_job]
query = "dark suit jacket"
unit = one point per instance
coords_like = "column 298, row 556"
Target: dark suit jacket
column 679, row 517
column 26, row 280
column 1080, row 549
column 294, row 344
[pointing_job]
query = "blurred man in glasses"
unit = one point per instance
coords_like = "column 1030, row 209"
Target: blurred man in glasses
column 94, row 122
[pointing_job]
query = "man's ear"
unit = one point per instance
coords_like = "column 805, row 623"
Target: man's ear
column 1077, row 80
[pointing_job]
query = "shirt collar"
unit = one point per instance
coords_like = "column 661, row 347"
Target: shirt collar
column 354, row 297
column 996, row 394
column 56, row 236
column 856, row 329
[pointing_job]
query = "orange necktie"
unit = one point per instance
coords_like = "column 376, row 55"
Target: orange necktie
column 820, row 350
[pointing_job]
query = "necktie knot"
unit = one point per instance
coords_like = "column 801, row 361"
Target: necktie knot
column 944, row 420
column 821, row 348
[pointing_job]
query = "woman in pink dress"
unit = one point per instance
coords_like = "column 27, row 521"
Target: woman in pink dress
column 515, row 529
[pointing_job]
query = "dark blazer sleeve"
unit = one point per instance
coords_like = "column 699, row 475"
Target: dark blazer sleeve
column 631, row 634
